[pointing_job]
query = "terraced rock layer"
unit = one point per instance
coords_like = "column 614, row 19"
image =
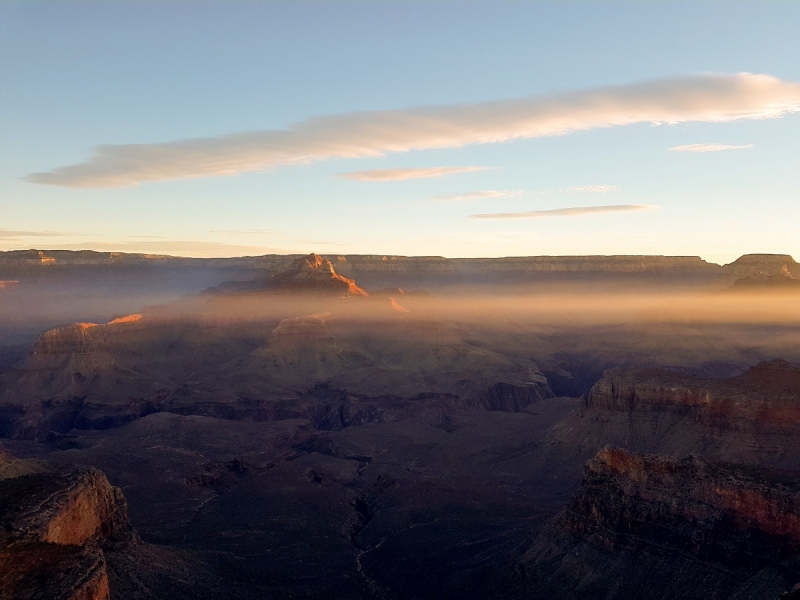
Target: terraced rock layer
column 647, row 526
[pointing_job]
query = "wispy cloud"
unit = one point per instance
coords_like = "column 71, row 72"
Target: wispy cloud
column 245, row 231
column 709, row 147
column 199, row 248
column 410, row 173
column 479, row 195
column 575, row 211
column 594, row 189
column 322, row 243
column 7, row 234
column 704, row 97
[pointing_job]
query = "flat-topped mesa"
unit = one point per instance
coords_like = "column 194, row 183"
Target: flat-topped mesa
column 73, row 338
column 314, row 274
column 598, row 263
column 762, row 264
column 740, row 516
column 79, row 338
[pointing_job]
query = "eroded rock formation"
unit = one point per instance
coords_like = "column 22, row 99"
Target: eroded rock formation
column 54, row 527
column 313, row 273
column 751, row 418
column 647, row 526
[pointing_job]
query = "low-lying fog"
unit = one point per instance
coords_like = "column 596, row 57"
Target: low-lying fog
column 717, row 332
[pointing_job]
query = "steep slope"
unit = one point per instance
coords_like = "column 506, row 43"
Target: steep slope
column 53, row 527
column 65, row 535
column 656, row 527
column 751, row 418
column 11, row 466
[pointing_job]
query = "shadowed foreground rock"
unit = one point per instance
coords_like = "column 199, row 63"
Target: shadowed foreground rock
column 751, row 418
column 53, row 528
column 645, row 526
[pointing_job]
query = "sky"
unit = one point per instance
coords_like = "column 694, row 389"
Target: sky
column 457, row 129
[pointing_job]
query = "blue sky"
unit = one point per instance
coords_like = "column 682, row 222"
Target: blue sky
column 75, row 76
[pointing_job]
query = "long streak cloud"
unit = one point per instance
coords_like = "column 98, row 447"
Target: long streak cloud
column 399, row 174
column 574, row 211
column 692, row 98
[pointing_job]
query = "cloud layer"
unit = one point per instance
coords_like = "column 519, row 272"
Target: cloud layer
column 705, row 97
column 7, row 234
column 402, row 173
column 575, row 211
column 202, row 248
column 594, row 189
column 479, row 195
column 708, row 147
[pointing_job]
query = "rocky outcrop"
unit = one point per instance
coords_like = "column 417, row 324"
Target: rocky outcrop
column 750, row 418
column 741, row 516
column 647, row 526
column 767, row 397
column 54, row 528
column 69, row 339
column 313, row 273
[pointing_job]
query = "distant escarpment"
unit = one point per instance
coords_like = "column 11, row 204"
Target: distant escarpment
column 657, row 527
column 379, row 271
column 749, row 418
column 433, row 271
column 54, row 528
column 763, row 264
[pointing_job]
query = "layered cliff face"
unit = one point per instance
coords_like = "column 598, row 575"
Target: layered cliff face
column 647, row 526
column 782, row 280
column 766, row 397
column 744, row 517
column 383, row 270
column 54, row 526
column 749, row 418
